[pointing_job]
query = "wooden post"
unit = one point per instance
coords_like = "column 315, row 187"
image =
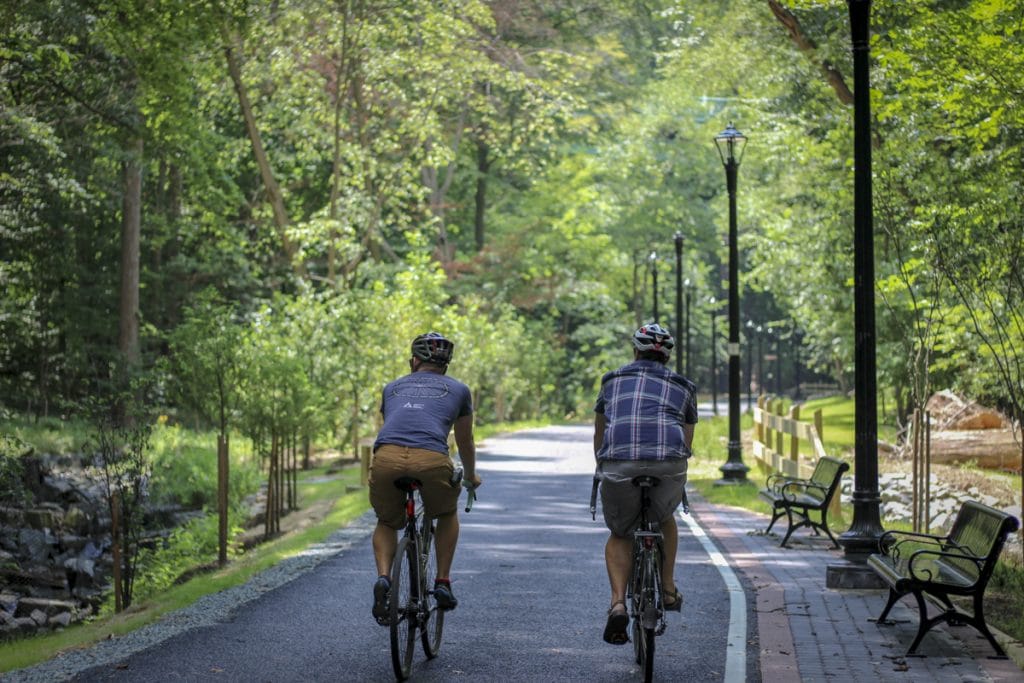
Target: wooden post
column 927, row 471
column 779, row 434
column 760, row 425
column 115, row 534
column 222, row 499
column 915, row 452
column 794, row 441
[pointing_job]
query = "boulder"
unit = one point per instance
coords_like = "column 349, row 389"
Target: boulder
column 48, row 607
column 60, row 620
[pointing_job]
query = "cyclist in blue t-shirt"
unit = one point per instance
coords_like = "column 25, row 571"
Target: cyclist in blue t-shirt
column 645, row 417
column 419, row 411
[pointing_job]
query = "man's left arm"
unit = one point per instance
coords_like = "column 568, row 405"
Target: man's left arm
column 467, row 448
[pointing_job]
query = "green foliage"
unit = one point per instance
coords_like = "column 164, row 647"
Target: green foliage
column 184, row 470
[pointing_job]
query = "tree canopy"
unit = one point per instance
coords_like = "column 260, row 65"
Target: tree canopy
column 316, row 183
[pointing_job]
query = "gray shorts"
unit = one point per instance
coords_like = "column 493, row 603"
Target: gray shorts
column 620, row 499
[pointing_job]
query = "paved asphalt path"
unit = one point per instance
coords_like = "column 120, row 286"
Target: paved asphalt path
column 530, row 577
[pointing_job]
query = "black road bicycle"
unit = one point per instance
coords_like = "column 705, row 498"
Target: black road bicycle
column 412, row 603
column 644, row 590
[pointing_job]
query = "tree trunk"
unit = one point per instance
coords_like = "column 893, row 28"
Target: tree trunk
column 483, row 165
column 131, row 231
column 274, row 196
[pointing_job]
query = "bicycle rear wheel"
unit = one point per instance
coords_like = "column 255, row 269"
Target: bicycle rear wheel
column 404, row 607
column 433, row 621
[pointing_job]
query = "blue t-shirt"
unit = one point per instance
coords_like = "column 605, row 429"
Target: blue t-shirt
column 645, row 405
column 420, row 409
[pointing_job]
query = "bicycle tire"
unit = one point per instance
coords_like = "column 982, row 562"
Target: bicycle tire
column 635, row 601
column 432, row 624
column 404, row 607
column 645, row 616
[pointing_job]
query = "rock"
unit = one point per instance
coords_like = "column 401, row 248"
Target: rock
column 48, row 607
column 63, row 619
column 38, row 616
column 44, row 518
column 26, row 624
column 939, row 522
column 77, row 520
column 8, row 602
column 36, row 545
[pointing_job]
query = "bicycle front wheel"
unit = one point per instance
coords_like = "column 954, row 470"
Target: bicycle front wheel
column 404, row 607
column 433, row 620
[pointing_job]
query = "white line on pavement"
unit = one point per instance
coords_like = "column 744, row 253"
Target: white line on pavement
column 736, row 641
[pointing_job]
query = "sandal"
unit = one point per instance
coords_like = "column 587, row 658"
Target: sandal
column 676, row 604
column 615, row 631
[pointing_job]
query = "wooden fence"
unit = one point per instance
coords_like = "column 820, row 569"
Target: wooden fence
column 777, row 436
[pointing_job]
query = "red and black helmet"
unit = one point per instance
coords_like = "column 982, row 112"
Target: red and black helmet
column 433, row 347
column 653, row 337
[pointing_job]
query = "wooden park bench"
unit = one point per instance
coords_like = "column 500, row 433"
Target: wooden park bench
column 799, row 498
column 940, row 566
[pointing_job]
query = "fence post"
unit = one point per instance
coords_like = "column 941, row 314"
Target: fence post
column 794, row 441
column 779, row 434
column 761, row 400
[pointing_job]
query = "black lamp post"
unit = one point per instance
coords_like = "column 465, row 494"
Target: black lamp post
column 760, row 361
column 730, row 143
column 750, row 366
column 797, row 338
column 679, row 298
column 653, row 258
column 866, row 528
column 687, row 333
column 714, row 359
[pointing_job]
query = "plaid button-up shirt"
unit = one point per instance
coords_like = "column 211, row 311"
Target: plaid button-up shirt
column 645, row 405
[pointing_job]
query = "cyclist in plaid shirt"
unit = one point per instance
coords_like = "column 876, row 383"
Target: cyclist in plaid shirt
column 645, row 417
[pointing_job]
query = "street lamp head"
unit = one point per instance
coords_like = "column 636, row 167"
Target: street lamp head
column 678, row 237
column 730, row 143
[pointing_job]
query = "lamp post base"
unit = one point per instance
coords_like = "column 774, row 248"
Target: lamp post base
column 852, row 575
column 733, row 471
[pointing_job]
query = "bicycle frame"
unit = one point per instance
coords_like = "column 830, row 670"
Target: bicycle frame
column 644, row 590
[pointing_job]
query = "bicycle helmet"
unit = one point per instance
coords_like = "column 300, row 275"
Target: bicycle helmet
column 433, row 347
column 653, row 337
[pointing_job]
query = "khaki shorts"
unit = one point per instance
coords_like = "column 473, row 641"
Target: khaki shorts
column 432, row 468
column 620, row 499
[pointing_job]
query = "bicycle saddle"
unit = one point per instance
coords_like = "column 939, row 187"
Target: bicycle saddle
column 645, row 481
column 408, row 484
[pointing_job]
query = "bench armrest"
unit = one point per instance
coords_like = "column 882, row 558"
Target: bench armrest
column 778, row 480
column 926, row 574
column 791, row 488
column 890, row 541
